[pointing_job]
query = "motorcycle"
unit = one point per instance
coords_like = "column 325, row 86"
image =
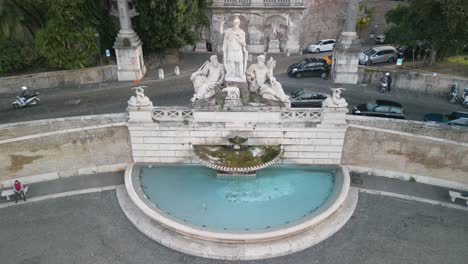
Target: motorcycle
column 453, row 95
column 464, row 98
column 383, row 84
column 23, row 100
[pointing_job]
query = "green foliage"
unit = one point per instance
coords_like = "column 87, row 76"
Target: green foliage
column 164, row 24
column 16, row 55
column 65, row 47
column 365, row 16
column 442, row 23
column 68, row 40
column 20, row 19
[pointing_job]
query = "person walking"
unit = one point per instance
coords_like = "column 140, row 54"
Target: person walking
column 19, row 191
column 389, row 78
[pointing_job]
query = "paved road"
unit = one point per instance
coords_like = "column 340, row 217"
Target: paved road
column 112, row 97
column 91, row 228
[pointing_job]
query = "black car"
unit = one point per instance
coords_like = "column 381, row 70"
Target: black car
column 301, row 98
column 380, row 108
column 310, row 67
column 453, row 118
column 405, row 51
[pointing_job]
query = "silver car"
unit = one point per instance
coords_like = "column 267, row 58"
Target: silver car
column 378, row 54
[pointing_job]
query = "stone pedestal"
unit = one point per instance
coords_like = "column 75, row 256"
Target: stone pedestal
column 140, row 114
column 200, row 46
column 274, row 46
column 129, row 53
column 332, row 116
column 346, row 59
column 128, row 48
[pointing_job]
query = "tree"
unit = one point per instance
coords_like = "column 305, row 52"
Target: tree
column 68, row 40
column 164, row 24
column 441, row 23
column 364, row 17
column 20, row 19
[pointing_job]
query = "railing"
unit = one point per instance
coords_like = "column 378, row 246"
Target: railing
column 258, row 3
column 172, row 113
column 283, row 2
column 162, row 113
column 304, row 115
column 237, row 2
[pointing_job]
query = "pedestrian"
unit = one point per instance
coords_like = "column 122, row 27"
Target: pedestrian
column 389, row 78
column 19, row 191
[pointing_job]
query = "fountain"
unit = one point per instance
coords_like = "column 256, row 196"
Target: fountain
column 187, row 188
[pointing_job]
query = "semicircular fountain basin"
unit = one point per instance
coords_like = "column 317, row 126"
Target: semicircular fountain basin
column 281, row 201
column 241, row 159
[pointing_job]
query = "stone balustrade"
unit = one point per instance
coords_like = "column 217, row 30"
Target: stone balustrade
column 313, row 115
column 257, row 3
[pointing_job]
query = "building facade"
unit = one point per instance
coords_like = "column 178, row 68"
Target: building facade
column 263, row 21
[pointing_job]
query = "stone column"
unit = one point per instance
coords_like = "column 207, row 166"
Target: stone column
column 128, row 48
column 346, row 54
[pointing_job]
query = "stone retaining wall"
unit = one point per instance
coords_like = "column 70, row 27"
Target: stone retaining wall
column 392, row 150
column 414, row 81
column 66, row 151
column 59, row 78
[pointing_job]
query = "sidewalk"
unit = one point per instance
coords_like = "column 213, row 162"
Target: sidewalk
column 362, row 181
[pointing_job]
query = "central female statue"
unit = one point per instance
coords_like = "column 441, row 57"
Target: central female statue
column 235, row 53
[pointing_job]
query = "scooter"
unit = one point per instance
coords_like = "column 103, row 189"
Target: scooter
column 383, row 84
column 453, row 95
column 24, row 100
column 464, row 98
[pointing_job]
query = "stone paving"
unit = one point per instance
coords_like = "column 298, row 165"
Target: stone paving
column 91, row 228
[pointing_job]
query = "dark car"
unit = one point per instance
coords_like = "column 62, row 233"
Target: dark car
column 301, row 98
column 405, row 51
column 310, row 67
column 380, row 108
column 453, row 118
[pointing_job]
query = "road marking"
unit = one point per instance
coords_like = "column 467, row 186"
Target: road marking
column 58, row 195
column 414, row 198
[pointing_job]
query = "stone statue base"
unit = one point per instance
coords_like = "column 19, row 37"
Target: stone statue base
column 230, row 103
column 274, row 46
column 203, row 103
column 346, row 59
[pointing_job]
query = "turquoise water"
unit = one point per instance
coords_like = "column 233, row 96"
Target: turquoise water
column 275, row 197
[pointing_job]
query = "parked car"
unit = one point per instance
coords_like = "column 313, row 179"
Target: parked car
column 378, row 54
column 380, row 108
column 405, row 51
column 380, row 39
column 302, row 98
column 310, row 67
column 454, row 118
column 321, row 45
column 328, row 59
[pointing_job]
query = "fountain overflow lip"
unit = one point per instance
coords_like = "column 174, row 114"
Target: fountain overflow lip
column 136, row 195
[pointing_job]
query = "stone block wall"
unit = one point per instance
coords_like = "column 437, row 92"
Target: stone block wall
column 54, row 79
column 415, row 81
column 170, row 142
column 396, row 149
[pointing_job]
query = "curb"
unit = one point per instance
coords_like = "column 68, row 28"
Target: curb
column 407, row 176
column 65, row 174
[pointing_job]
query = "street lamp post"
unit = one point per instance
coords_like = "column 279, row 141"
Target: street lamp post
column 99, row 47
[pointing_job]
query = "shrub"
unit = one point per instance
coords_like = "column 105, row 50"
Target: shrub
column 16, row 56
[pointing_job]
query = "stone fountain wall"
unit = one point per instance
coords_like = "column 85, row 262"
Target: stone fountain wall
column 309, row 136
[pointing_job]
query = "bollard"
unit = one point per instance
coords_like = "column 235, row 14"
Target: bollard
column 288, row 52
column 161, row 73
column 176, row 71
